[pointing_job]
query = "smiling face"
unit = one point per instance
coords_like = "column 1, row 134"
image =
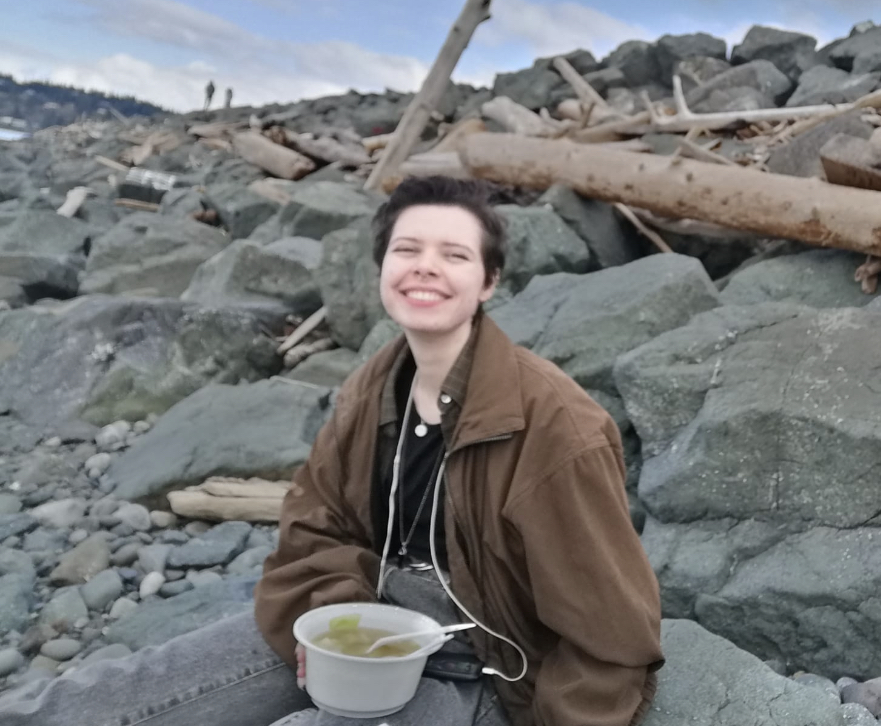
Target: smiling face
column 433, row 278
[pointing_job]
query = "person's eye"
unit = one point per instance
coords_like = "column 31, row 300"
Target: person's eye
column 458, row 256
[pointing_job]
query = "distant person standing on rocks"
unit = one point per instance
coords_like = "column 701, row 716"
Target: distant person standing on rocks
column 209, row 94
column 228, row 101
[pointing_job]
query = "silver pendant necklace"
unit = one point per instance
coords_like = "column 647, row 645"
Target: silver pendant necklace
column 421, row 429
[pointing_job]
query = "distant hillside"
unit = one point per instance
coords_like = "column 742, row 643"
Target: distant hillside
column 39, row 105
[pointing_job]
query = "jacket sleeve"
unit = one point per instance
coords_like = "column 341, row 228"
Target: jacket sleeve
column 593, row 587
column 324, row 555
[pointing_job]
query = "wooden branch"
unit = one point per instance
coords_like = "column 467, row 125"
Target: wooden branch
column 201, row 505
column 327, row 149
column 613, row 130
column 376, row 143
column 870, row 100
column 516, row 118
column 301, row 352
column 685, row 119
column 111, row 164
column 452, row 140
column 867, row 275
column 73, row 201
column 136, row 204
column 583, row 90
column 688, row 148
column 306, row 327
column 215, row 130
column 228, row 486
column 656, row 239
column 435, row 85
column 689, row 227
column 773, row 205
column 277, row 160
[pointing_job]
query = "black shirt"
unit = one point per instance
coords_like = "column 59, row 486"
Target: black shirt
column 420, row 461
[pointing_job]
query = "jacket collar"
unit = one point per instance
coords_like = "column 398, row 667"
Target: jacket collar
column 483, row 386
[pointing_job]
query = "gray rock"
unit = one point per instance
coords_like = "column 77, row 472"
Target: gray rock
column 671, row 49
column 867, row 694
column 97, row 464
column 348, row 280
column 64, row 609
column 40, row 668
column 560, row 250
column 150, row 254
column 856, row 714
column 819, row 278
column 126, row 554
column 638, row 61
column 172, row 536
column 108, row 652
column 867, row 62
column 163, row 520
column 9, row 504
column 848, row 53
column 170, row 589
column 741, row 98
column 44, row 541
column 240, row 210
column 762, row 410
column 44, row 252
column 605, row 80
column 62, row 513
column 218, row 546
column 16, row 594
column 317, row 209
column 328, row 368
column 151, row 584
column 583, row 323
column 610, row 240
column 10, row 661
column 102, row 589
column 152, row 558
column 831, row 85
column 113, row 436
column 822, row 683
column 792, row 53
column 61, row 649
column 707, row 680
column 761, row 75
column 136, row 516
column 201, row 579
column 122, row 608
column 801, row 156
column 263, row 429
column 249, row 560
column 83, row 562
column 15, row 562
column 157, row 622
column 698, row 70
column 844, row 682
column 249, row 274
column 106, row 358
column 44, row 468
column 12, row 525
column 532, row 87
column 12, row 293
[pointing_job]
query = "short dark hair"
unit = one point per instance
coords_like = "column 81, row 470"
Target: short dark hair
column 470, row 195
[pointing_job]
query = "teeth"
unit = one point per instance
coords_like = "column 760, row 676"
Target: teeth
column 423, row 295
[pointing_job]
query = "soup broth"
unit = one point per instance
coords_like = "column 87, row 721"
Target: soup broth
column 356, row 640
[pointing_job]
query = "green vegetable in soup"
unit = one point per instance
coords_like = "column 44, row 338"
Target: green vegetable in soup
column 344, row 622
column 355, row 641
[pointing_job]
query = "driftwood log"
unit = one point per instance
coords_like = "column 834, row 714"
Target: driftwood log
column 230, row 499
column 773, row 205
column 433, row 88
column 273, row 158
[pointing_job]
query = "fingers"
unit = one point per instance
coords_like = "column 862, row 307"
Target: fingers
column 301, row 667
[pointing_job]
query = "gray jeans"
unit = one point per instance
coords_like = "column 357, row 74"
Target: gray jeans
column 224, row 674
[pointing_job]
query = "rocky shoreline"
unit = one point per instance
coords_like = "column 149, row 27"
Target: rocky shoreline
column 139, row 355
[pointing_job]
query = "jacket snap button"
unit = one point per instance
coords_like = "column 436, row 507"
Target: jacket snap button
column 445, row 398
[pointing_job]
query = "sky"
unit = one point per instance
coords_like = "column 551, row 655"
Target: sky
column 278, row 51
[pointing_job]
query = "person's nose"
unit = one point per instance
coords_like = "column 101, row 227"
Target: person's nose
column 427, row 263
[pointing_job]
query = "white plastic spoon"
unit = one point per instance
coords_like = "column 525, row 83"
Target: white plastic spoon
column 415, row 634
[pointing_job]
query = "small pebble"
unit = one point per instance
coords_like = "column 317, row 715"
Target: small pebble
column 61, row 649
column 142, row 427
column 200, row 579
column 151, row 584
column 197, row 528
column 52, row 443
column 97, row 464
column 112, row 435
column 77, row 536
column 42, row 663
column 125, row 555
column 844, row 682
column 163, row 520
column 10, row 661
column 122, row 607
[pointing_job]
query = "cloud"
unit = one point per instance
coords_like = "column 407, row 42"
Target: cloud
column 260, row 70
column 557, row 28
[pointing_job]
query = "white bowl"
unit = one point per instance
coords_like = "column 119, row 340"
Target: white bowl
column 358, row 687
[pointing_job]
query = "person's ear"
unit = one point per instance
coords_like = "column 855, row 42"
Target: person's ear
column 490, row 289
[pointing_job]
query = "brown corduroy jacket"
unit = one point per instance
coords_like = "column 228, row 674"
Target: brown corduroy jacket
column 538, row 535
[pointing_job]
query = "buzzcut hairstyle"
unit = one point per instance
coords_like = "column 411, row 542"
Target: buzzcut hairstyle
column 470, row 195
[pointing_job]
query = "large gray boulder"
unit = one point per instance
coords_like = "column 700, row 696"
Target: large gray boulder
column 760, row 75
column 539, row 243
column 696, row 70
column 156, row 622
column 533, row 87
column 741, row 98
column 671, row 49
column 240, row 209
column 849, row 53
column 821, row 84
column 638, row 61
column 316, row 209
column 707, row 680
column 45, row 252
column 819, row 278
column 610, row 239
column 584, row 322
column 801, row 156
column 150, row 253
column 102, row 358
column 264, row 429
column 768, row 411
column 248, row 274
column 792, row 53
column 348, row 280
